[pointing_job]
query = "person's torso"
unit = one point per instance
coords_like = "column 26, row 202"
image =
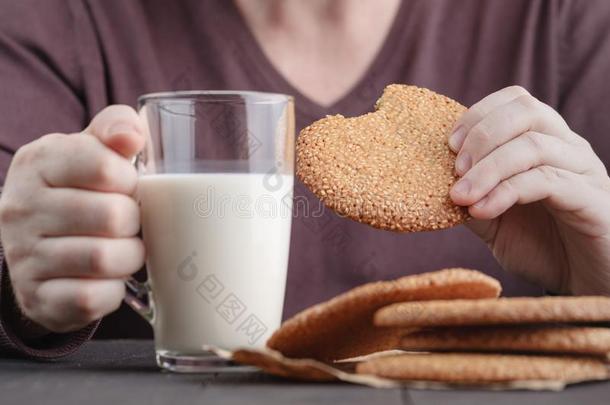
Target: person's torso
column 464, row 49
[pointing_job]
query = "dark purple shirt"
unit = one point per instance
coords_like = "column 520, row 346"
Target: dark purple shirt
column 61, row 61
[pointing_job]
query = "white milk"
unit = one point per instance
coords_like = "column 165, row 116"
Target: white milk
column 217, row 255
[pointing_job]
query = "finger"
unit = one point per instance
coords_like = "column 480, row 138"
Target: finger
column 519, row 155
column 87, row 164
column 119, row 127
column 74, row 212
column 506, row 122
column 561, row 190
column 67, row 304
column 479, row 110
column 87, row 257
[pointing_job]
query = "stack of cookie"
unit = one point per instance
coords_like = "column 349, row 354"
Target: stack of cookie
column 498, row 340
column 451, row 327
column 343, row 326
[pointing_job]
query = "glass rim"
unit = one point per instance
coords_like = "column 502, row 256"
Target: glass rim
column 260, row 97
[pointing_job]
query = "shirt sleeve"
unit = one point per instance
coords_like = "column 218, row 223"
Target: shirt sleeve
column 584, row 75
column 42, row 92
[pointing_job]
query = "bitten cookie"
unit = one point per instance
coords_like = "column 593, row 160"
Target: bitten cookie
column 342, row 327
column 392, row 168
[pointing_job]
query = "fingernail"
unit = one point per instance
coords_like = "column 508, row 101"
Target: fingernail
column 481, row 202
column 122, row 128
column 457, row 138
column 462, row 187
column 463, row 163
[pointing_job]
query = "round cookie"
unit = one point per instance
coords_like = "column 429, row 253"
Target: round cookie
column 392, row 168
column 541, row 339
column 342, row 327
column 522, row 310
column 485, row 368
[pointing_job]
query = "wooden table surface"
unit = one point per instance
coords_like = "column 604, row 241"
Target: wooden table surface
column 124, row 372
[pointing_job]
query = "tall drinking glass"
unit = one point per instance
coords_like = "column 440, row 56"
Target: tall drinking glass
column 215, row 194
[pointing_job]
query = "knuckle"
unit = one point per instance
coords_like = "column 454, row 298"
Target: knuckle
column 550, row 173
column 606, row 184
column 517, row 90
column 62, row 251
column 85, row 303
column 116, row 303
column 113, row 218
column 580, row 141
column 26, row 154
column 140, row 251
column 506, row 193
column 474, row 114
column 26, row 296
column 38, row 149
column 536, row 142
column 507, row 187
column 129, row 177
column 118, row 216
column 81, row 140
column 52, row 138
column 590, row 158
column 584, row 141
column 507, row 117
column 493, row 166
column 528, row 101
column 12, row 212
column 7, row 212
column 15, row 252
column 28, row 305
column 25, row 299
column 103, row 171
column 480, row 133
column 74, row 208
column 99, row 259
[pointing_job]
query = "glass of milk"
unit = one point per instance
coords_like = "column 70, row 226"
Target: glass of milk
column 215, row 194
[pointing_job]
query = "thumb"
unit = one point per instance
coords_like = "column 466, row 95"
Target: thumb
column 120, row 128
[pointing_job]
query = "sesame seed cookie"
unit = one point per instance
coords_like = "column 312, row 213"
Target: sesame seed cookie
column 342, row 327
column 392, row 168
column 485, row 368
column 546, row 339
column 521, row 310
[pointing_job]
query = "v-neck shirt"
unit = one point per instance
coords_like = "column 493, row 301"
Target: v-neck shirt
column 61, row 62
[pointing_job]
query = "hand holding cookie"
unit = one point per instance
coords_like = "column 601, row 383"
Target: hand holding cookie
column 539, row 194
